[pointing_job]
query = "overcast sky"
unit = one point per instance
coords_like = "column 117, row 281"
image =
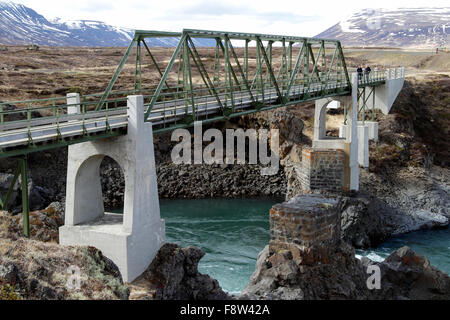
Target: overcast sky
column 300, row 17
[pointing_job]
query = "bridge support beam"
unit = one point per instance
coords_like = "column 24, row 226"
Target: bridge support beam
column 354, row 165
column 130, row 240
column 348, row 143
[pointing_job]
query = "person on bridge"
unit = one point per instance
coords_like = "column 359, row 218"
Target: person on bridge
column 360, row 73
column 367, row 73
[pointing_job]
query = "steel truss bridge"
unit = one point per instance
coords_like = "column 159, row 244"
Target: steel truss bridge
column 239, row 76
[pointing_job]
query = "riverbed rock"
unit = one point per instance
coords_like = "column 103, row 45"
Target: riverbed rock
column 408, row 275
column 36, row 270
column 173, row 275
column 282, row 275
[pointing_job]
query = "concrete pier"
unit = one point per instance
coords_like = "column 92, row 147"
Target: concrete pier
column 130, row 240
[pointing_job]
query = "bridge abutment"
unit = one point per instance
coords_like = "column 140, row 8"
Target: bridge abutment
column 133, row 238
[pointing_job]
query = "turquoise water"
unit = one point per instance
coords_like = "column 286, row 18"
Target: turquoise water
column 233, row 231
column 434, row 244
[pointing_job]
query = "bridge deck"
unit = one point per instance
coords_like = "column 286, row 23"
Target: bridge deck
column 164, row 115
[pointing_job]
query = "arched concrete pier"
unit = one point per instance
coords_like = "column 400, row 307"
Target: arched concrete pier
column 130, row 240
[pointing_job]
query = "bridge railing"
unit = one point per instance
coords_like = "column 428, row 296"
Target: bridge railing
column 28, row 114
column 382, row 74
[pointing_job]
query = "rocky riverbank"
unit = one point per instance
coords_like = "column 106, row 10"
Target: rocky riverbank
column 307, row 260
column 38, row 268
column 404, row 275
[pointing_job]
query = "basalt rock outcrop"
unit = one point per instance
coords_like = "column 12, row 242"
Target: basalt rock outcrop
column 408, row 275
column 173, row 275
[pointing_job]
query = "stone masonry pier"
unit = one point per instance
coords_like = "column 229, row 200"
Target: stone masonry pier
column 308, row 226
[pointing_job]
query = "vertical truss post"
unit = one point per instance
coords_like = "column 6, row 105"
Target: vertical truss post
column 204, row 74
column 246, row 59
column 314, row 69
column 306, row 64
column 217, row 63
column 283, row 67
column 294, row 71
column 138, row 70
column 228, row 69
column 323, row 69
column 290, row 58
column 231, row 69
column 259, row 68
column 364, row 106
column 244, row 78
column 166, row 74
column 187, row 78
column 25, row 200
column 344, row 65
column 373, row 103
column 332, row 63
column 268, row 53
column 315, row 61
column 270, row 71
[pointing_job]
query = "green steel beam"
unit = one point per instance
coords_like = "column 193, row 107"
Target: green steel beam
column 269, row 68
column 25, row 200
column 204, row 74
column 342, row 58
column 156, row 34
column 17, row 152
column 251, row 36
column 115, row 76
column 228, row 62
column 165, row 75
column 294, row 72
column 314, row 70
column 154, row 61
column 244, row 75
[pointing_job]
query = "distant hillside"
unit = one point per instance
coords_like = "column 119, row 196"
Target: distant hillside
column 405, row 27
column 22, row 25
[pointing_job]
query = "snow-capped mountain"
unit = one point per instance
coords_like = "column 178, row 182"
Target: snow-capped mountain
column 404, row 27
column 22, row 25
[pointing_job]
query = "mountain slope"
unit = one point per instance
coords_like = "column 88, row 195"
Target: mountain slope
column 405, row 27
column 22, row 25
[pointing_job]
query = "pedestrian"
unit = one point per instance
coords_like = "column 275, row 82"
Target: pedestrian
column 367, row 73
column 360, row 73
